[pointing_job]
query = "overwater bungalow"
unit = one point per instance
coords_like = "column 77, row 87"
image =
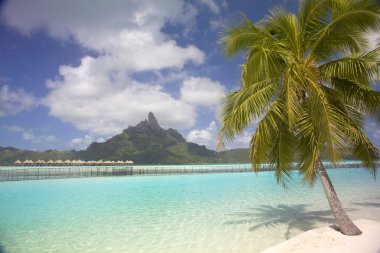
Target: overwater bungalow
column 27, row 162
column 74, row 162
column 58, row 162
column 40, row 162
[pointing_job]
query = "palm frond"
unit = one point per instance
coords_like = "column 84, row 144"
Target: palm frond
column 308, row 148
column 282, row 155
column 284, row 27
column 350, row 20
column 239, row 37
column 263, row 62
column 266, row 133
column 311, row 78
column 313, row 17
column 243, row 106
column 362, row 68
column 358, row 96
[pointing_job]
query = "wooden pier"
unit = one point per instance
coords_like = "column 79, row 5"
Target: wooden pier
column 56, row 172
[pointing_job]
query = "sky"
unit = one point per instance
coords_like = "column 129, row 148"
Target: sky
column 74, row 72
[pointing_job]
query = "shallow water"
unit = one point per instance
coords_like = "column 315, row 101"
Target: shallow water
column 238, row 212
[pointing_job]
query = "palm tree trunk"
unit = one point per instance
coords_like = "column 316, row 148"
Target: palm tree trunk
column 346, row 226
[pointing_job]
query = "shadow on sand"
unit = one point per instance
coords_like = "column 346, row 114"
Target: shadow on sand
column 293, row 216
column 367, row 204
column 2, row 249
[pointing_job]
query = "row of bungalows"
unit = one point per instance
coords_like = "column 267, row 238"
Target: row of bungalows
column 72, row 163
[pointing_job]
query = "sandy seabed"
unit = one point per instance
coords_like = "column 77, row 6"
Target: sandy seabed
column 328, row 240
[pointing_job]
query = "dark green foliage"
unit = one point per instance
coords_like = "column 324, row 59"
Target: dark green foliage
column 146, row 143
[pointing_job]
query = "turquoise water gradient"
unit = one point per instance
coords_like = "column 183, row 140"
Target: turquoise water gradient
column 238, row 212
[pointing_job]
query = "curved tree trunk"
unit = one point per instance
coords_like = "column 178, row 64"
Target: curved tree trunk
column 346, row 226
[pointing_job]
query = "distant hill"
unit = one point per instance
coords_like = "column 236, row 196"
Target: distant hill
column 145, row 143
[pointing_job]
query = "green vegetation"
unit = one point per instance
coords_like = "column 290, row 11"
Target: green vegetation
column 146, row 143
column 309, row 80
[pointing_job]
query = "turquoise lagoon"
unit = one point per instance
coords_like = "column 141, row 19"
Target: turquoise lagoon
column 228, row 212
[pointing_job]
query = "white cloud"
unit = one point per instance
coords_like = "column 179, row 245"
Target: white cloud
column 29, row 135
column 104, row 103
column 127, row 30
column 15, row 101
column 241, row 141
column 92, row 22
column 205, row 136
column 82, row 143
column 212, row 5
column 374, row 39
column 202, row 91
column 13, row 128
column 100, row 95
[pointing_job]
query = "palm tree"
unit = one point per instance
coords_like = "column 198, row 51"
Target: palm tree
column 309, row 81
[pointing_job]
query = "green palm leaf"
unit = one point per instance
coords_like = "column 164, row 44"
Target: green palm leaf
column 310, row 80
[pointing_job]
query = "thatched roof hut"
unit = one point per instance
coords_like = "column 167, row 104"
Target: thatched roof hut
column 39, row 162
column 18, row 162
column 58, row 162
column 28, row 162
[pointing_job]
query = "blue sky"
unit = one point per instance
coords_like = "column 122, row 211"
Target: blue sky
column 74, row 72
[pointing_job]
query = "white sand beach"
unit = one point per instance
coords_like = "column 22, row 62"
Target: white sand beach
column 327, row 240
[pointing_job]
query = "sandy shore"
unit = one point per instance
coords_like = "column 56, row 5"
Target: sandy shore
column 327, row 240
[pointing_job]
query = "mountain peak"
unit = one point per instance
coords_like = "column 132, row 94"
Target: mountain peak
column 153, row 123
column 146, row 126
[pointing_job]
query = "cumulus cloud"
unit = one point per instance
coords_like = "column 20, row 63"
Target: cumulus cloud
column 129, row 32
column 82, row 143
column 202, row 91
column 15, row 101
column 29, row 135
column 101, row 95
column 208, row 137
column 94, row 23
column 214, row 7
column 104, row 103
column 205, row 136
column 241, row 141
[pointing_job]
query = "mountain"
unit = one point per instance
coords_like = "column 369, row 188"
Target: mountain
column 9, row 155
column 145, row 143
column 148, row 143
